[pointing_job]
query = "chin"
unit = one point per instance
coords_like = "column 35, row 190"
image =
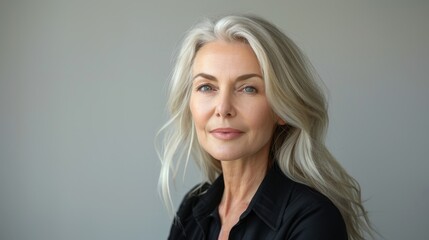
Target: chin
column 226, row 156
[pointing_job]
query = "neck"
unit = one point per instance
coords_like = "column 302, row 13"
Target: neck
column 242, row 180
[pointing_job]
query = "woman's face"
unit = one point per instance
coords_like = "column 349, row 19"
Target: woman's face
column 232, row 117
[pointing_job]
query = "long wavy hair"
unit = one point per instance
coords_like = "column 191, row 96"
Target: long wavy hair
column 298, row 147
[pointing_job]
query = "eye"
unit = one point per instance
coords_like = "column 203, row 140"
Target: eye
column 204, row 88
column 249, row 89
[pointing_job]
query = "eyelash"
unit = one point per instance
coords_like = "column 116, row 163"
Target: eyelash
column 254, row 90
column 199, row 88
column 211, row 88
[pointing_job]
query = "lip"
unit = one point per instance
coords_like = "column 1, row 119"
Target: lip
column 226, row 133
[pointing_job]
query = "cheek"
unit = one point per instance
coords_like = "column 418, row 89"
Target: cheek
column 199, row 112
column 262, row 116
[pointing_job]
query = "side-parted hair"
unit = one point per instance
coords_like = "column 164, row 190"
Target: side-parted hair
column 298, row 147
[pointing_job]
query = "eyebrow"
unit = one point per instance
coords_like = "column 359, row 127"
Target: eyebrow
column 239, row 78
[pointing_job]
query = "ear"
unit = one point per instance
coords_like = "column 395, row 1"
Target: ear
column 280, row 121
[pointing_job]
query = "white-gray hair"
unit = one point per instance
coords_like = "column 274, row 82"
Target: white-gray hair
column 294, row 96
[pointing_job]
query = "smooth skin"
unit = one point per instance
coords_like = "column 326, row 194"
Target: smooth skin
column 233, row 120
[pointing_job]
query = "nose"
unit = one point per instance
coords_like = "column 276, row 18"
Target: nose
column 224, row 105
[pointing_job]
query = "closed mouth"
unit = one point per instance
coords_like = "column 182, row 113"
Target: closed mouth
column 226, row 133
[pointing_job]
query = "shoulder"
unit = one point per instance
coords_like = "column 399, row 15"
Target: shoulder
column 305, row 198
column 184, row 216
column 314, row 215
column 190, row 199
column 296, row 211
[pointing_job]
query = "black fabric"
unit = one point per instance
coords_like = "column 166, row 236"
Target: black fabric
column 280, row 209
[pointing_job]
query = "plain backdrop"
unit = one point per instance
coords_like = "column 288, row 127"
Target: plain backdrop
column 83, row 92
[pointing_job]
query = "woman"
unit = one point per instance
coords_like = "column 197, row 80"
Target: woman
column 244, row 104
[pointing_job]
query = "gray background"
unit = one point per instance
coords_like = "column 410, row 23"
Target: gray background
column 82, row 94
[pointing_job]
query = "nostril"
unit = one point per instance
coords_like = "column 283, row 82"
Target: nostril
column 228, row 114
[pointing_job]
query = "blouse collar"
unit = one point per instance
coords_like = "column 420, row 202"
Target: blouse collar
column 268, row 204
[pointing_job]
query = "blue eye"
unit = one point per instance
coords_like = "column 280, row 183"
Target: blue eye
column 249, row 89
column 204, row 88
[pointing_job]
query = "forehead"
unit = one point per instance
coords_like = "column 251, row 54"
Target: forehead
column 226, row 57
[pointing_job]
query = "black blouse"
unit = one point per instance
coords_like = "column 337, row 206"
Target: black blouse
column 280, row 209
